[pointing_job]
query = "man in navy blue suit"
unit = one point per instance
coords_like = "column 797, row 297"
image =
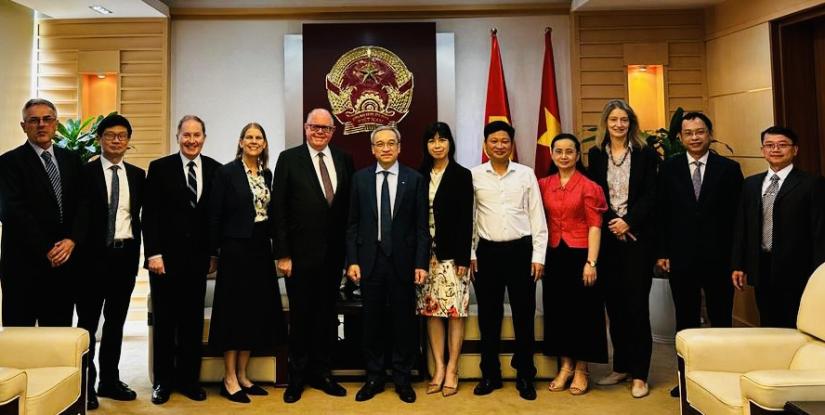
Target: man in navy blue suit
column 387, row 248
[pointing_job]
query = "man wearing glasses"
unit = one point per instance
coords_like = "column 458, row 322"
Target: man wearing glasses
column 42, row 223
column 780, row 231
column 114, row 192
column 387, row 252
column 311, row 198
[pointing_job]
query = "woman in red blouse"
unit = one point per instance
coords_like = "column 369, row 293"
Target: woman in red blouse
column 574, row 326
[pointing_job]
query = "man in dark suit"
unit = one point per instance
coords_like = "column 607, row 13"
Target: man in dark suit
column 780, row 231
column 114, row 192
column 43, row 221
column 697, row 201
column 177, row 256
column 387, row 249
column 311, row 198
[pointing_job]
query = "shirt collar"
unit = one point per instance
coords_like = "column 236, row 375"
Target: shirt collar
column 314, row 153
column 39, row 150
column 781, row 173
column 488, row 167
column 107, row 164
column 186, row 161
column 574, row 180
column 703, row 159
column 393, row 169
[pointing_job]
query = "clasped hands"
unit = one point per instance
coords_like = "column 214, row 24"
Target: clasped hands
column 620, row 229
column 60, row 252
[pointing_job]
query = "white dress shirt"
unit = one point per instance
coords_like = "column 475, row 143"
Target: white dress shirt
column 703, row 160
column 392, row 181
column 509, row 207
column 123, row 216
column 198, row 171
column 39, row 150
column 333, row 178
column 783, row 174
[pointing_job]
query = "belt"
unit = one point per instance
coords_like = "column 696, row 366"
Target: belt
column 120, row 243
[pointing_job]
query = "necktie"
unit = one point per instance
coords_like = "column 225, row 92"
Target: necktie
column 767, row 213
column 54, row 177
column 328, row 192
column 697, row 178
column 114, row 198
column 192, row 184
column 386, row 216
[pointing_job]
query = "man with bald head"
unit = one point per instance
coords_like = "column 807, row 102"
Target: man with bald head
column 311, row 196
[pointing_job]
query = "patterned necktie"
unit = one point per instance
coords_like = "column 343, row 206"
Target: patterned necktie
column 328, row 192
column 114, row 198
column 767, row 213
column 697, row 178
column 54, row 177
column 192, row 184
column 386, row 216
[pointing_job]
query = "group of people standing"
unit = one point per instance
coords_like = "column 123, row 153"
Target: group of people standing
column 414, row 240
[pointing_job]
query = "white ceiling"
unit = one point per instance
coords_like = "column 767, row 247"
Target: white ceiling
column 586, row 5
column 338, row 3
column 79, row 9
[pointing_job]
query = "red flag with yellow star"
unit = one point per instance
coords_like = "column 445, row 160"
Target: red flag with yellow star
column 549, row 120
column 498, row 107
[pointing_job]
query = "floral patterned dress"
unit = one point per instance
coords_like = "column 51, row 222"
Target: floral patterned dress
column 444, row 293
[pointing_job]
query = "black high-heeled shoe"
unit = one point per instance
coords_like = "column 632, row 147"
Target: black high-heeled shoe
column 239, row 396
column 254, row 390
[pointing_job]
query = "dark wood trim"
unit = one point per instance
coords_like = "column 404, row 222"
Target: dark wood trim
column 683, row 403
column 11, row 407
column 758, row 410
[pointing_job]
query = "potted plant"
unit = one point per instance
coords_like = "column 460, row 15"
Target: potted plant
column 80, row 136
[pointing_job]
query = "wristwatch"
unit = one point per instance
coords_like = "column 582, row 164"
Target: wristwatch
column 591, row 263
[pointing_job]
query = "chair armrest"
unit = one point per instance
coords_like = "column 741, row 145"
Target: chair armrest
column 12, row 385
column 33, row 347
column 771, row 389
column 738, row 349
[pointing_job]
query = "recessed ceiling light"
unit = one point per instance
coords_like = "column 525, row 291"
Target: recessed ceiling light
column 100, row 9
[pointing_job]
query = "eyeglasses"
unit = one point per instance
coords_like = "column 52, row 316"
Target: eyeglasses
column 387, row 144
column 36, row 120
column 109, row 136
column 777, row 146
column 326, row 129
column 567, row 152
column 694, row 133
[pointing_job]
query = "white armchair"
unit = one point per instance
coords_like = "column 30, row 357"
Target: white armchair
column 756, row 370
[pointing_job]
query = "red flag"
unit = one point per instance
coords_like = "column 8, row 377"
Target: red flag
column 549, row 120
column 498, row 107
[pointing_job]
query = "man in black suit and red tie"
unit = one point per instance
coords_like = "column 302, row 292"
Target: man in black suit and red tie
column 387, row 252
column 177, row 255
column 698, row 194
column 311, row 198
column 114, row 193
column 43, row 221
column 780, row 230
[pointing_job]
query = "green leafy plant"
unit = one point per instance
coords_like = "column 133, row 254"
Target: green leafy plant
column 80, row 136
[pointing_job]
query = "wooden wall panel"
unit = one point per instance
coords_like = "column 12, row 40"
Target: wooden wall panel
column 143, row 72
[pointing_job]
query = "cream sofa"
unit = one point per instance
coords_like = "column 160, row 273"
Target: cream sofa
column 43, row 370
column 756, row 370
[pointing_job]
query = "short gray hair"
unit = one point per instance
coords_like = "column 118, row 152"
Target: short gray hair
column 385, row 128
column 38, row 101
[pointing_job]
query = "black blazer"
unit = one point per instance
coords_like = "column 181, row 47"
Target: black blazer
column 29, row 210
column 94, row 184
column 453, row 212
column 798, row 229
column 307, row 228
column 641, row 193
column 410, row 234
column 171, row 227
column 231, row 206
column 695, row 232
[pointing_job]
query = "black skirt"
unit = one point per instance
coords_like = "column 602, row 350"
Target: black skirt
column 574, row 322
column 246, row 311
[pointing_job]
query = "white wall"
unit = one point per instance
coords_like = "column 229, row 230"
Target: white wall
column 16, row 40
column 232, row 71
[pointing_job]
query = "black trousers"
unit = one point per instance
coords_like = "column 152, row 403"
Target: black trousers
column 627, row 273
column 109, row 291
column 777, row 301
column 389, row 311
column 177, row 319
column 39, row 295
column 688, row 281
column 506, row 265
column 312, row 291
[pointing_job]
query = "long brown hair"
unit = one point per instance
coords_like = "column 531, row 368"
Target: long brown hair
column 263, row 158
column 633, row 137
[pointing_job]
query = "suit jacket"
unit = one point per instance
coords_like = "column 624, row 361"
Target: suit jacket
column 453, row 214
column 231, row 204
column 96, row 194
column 798, row 230
column 29, row 210
column 641, row 193
column 307, row 228
column 410, row 235
column 693, row 232
column 171, row 227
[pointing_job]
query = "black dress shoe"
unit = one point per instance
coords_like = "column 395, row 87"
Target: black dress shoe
column 118, row 391
column 370, row 389
column 254, row 390
column 91, row 401
column 293, row 392
column 487, row 386
column 405, row 392
column 330, row 387
column 675, row 391
column 193, row 392
column 526, row 389
column 239, row 396
column 160, row 394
